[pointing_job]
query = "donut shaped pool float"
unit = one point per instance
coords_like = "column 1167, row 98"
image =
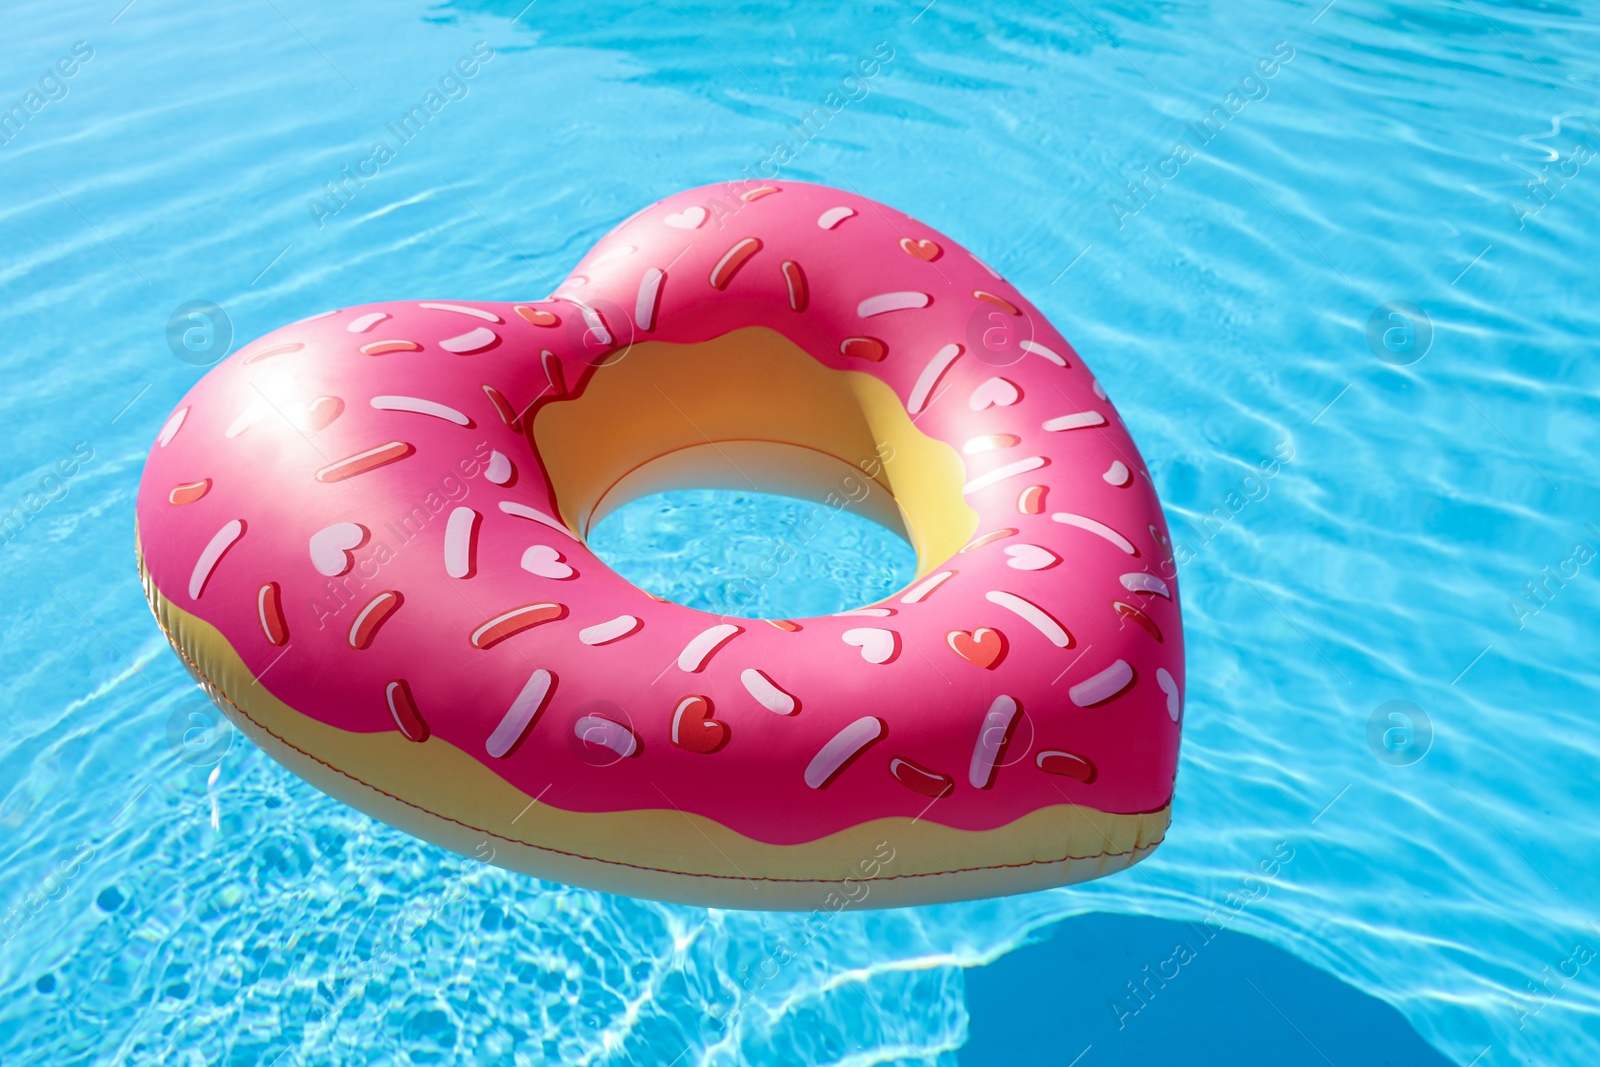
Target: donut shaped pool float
column 364, row 534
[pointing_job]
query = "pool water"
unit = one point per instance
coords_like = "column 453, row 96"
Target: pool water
column 1334, row 263
column 753, row 554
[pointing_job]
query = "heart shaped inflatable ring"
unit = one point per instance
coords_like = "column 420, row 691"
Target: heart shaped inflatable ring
column 365, row 536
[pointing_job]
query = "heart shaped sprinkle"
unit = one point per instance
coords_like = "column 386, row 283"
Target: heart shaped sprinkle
column 983, row 647
column 923, row 249
column 536, row 316
column 689, row 218
column 331, row 547
column 876, row 645
column 693, row 728
column 317, row 414
column 546, row 562
column 1030, row 557
column 995, row 392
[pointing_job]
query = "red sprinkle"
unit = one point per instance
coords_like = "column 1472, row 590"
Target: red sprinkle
column 868, row 348
column 732, row 260
column 536, row 316
column 1138, row 618
column 189, row 492
column 795, row 278
column 269, row 608
column 1069, row 764
column 404, row 709
column 919, row 779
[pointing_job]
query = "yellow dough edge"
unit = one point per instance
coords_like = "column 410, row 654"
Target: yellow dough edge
column 440, row 794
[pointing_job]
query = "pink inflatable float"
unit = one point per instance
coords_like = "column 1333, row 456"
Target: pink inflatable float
column 364, row 535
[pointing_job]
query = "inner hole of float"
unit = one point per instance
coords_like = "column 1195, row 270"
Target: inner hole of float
column 743, row 477
column 752, row 554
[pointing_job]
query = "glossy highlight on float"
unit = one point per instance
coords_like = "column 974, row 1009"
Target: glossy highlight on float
column 364, row 534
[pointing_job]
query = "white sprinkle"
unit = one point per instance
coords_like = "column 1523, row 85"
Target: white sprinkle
column 921, row 590
column 170, row 429
column 460, row 537
column 1103, row 686
column 833, row 216
column 1169, row 686
column 1145, row 583
column 522, row 511
column 698, row 650
column 499, row 469
column 767, row 693
column 1033, row 615
column 1000, row 474
column 519, row 717
column 1040, row 350
column 363, row 323
column 459, row 309
column 644, row 311
column 1118, row 474
column 1098, row 528
column 418, row 406
column 220, row 542
column 997, row 724
column 605, row 632
column 886, row 302
column 470, row 342
column 839, row 751
column 930, row 376
column 620, row 252
column 592, row 729
column 1078, row 420
column 251, row 415
column 875, row 613
column 596, row 324
column 990, row 442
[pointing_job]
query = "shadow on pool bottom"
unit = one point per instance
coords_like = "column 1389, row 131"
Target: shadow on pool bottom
column 1233, row 999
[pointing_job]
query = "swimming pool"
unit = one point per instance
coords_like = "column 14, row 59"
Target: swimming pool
column 1368, row 269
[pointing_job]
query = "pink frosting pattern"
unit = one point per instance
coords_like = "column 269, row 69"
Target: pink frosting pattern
column 353, row 503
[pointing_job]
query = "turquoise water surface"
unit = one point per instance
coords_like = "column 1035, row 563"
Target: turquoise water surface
column 1352, row 245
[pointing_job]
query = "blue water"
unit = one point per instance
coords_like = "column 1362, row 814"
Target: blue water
column 174, row 897
column 1132, row 991
column 753, row 554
